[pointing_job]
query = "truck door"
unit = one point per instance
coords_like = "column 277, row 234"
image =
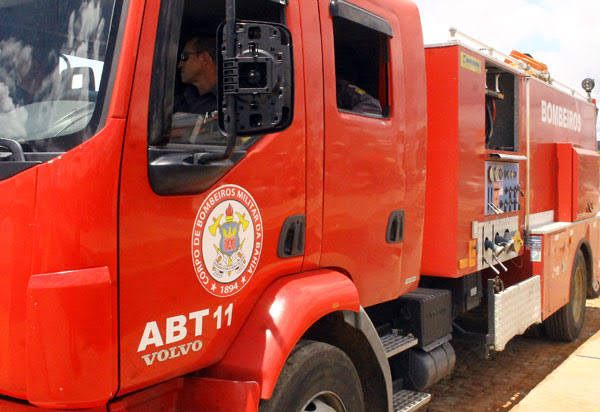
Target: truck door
column 198, row 240
column 364, row 184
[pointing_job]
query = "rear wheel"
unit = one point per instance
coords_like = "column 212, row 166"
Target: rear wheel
column 317, row 377
column 565, row 325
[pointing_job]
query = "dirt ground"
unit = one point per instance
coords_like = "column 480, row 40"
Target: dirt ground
column 479, row 385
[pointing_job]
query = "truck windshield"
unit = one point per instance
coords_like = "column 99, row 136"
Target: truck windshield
column 54, row 59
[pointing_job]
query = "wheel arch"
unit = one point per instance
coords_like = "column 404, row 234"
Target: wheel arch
column 282, row 315
column 586, row 249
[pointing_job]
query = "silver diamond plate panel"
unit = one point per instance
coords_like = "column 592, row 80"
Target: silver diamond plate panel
column 515, row 309
column 409, row 401
column 394, row 344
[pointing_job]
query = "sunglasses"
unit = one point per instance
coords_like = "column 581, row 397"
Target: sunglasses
column 186, row 55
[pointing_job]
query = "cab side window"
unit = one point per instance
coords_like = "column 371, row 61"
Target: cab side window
column 185, row 144
column 194, row 117
column 361, row 68
column 186, row 85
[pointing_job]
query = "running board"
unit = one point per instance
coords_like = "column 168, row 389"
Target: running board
column 394, row 343
column 409, row 401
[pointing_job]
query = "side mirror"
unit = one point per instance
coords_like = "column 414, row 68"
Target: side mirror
column 259, row 78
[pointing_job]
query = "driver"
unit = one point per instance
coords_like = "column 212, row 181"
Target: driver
column 197, row 63
column 199, row 75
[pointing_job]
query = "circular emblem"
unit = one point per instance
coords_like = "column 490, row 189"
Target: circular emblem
column 227, row 240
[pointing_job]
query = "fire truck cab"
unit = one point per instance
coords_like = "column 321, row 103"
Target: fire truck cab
column 345, row 202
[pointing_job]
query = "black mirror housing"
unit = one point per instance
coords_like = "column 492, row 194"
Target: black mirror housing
column 260, row 78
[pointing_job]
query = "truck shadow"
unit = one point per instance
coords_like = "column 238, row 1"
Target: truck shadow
column 501, row 382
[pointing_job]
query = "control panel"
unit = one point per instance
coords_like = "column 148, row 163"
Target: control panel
column 498, row 240
column 501, row 188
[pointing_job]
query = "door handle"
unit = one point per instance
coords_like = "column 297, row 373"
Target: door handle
column 395, row 227
column 291, row 239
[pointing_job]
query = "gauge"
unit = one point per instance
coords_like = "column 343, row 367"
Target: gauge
column 491, row 174
column 498, row 173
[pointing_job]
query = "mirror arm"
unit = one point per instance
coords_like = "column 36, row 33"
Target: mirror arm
column 230, row 126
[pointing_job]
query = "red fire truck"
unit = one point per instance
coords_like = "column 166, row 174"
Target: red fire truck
column 287, row 251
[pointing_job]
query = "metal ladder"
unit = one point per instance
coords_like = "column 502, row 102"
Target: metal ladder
column 403, row 400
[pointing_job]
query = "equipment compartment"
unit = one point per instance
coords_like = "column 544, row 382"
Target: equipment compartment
column 501, row 109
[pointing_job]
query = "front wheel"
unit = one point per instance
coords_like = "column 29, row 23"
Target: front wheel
column 565, row 325
column 316, row 377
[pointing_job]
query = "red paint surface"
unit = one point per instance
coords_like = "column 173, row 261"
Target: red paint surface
column 214, row 395
column 586, row 178
column 60, row 216
column 17, row 204
column 441, row 212
column 375, row 166
column 157, row 278
column 457, row 155
column 59, row 222
column 564, row 198
column 455, row 160
column 558, row 255
column 158, row 398
column 10, row 406
column 71, row 339
column 191, row 394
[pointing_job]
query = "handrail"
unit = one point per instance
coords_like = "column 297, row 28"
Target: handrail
column 519, row 64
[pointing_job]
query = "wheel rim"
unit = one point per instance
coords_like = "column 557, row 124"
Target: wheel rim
column 578, row 298
column 324, row 402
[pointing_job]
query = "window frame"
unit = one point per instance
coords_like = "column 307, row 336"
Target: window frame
column 366, row 20
column 174, row 168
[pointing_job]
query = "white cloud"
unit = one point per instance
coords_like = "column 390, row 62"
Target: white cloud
column 567, row 34
column 86, row 26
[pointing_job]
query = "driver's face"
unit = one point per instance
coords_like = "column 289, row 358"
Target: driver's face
column 193, row 67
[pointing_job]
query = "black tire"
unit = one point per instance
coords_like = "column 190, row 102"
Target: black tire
column 565, row 325
column 316, row 373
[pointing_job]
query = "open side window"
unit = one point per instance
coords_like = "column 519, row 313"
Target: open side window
column 183, row 126
column 361, row 60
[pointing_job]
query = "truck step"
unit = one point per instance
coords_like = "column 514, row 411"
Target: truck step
column 394, row 343
column 409, row 401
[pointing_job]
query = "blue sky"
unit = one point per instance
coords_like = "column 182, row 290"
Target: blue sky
column 565, row 35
